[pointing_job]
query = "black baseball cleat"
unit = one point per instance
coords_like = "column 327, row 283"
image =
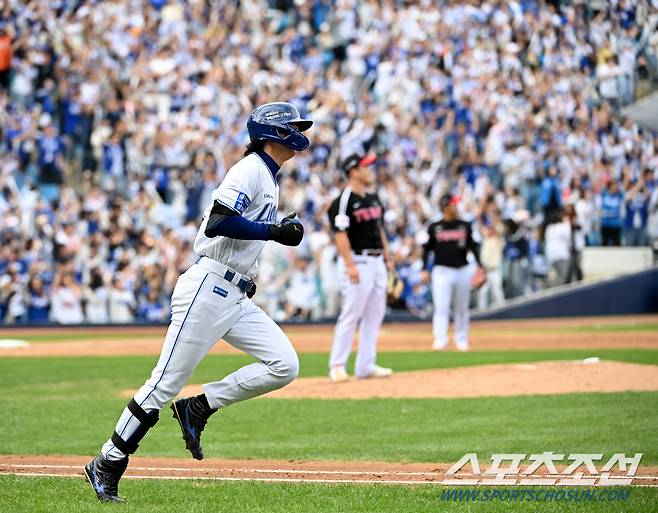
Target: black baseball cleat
column 192, row 413
column 103, row 476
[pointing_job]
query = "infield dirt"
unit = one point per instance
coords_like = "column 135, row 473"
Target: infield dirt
column 538, row 378
column 577, row 333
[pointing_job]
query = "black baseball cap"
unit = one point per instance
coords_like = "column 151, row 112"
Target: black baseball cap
column 448, row 199
column 357, row 160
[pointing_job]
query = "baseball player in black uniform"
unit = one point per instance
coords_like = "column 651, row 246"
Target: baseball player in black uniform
column 449, row 242
column 356, row 220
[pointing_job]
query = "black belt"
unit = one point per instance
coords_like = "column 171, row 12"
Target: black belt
column 243, row 285
column 246, row 286
column 369, row 252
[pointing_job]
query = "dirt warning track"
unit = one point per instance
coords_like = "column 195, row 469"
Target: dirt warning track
column 291, row 471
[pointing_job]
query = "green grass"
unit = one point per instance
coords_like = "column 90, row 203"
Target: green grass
column 73, row 336
column 70, row 405
column 617, row 328
column 69, row 373
column 67, row 495
column 584, row 328
column 427, row 430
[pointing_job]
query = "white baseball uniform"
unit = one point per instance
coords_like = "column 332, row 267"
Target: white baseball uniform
column 449, row 243
column 450, row 287
column 208, row 304
column 364, row 303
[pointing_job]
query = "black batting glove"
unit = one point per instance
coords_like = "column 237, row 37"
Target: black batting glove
column 288, row 232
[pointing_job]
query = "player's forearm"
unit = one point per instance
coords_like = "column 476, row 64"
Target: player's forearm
column 427, row 253
column 384, row 243
column 235, row 227
column 475, row 249
column 426, row 258
column 344, row 247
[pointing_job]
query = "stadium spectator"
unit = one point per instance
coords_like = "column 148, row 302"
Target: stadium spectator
column 38, row 301
column 611, row 220
column 636, row 202
column 12, row 294
column 152, row 307
column 66, row 302
column 653, row 219
column 96, row 298
column 122, row 302
column 491, row 257
column 576, row 244
column 6, row 54
column 557, row 242
column 302, row 290
column 115, row 111
column 517, row 257
column 611, row 78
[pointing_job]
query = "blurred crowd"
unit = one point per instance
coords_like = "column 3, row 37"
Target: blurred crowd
column 118, row 119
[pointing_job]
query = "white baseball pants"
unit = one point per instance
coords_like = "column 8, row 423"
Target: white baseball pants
column 450, row 285
column 205, row 308
column 364, row 305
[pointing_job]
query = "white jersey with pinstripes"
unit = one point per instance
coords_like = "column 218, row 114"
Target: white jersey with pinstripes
column 250, row 190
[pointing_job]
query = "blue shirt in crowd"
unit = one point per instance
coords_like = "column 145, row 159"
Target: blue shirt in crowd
column 611, row 209
column 637, row 212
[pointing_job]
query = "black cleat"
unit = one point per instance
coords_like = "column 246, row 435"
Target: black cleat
column 192, row 415
column 103, row 476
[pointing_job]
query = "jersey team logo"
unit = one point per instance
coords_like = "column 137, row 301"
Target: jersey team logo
column 242, row 202
column 367, row 214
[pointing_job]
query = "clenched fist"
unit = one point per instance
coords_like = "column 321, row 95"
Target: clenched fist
column 288, row 232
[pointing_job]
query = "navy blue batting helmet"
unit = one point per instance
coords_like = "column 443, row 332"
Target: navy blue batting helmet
column 279, row 122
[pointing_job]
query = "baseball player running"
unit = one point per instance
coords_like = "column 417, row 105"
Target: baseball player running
column 212, row 300
column 450, row 240
column 356, row 219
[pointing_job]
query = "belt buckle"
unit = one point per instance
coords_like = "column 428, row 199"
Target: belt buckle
column 246, row 286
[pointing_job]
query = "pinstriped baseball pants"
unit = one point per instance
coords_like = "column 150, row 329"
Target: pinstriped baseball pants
column 206, row 308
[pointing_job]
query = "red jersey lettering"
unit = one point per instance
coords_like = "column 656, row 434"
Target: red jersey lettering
column 448, row 235
column 367, row 213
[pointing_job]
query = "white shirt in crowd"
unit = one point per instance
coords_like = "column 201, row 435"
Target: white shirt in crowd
column 608, row 84
column 491, row 252
column 302, row 292
column 66, row 307
column 557, row 241
column 97, row 305
column 122, row 303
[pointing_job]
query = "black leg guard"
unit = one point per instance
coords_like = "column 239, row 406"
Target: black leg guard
column 147, row 421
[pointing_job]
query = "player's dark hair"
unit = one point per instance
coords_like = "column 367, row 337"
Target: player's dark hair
column 253, row 147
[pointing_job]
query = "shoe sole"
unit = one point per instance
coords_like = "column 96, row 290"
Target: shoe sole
column 372, row 376
column 100, row 497
column 198, row 456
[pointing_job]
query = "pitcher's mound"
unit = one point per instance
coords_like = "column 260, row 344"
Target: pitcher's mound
column 484, row 380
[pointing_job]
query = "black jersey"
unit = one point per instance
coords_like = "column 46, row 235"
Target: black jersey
column 360, row 217
column 450, row 242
